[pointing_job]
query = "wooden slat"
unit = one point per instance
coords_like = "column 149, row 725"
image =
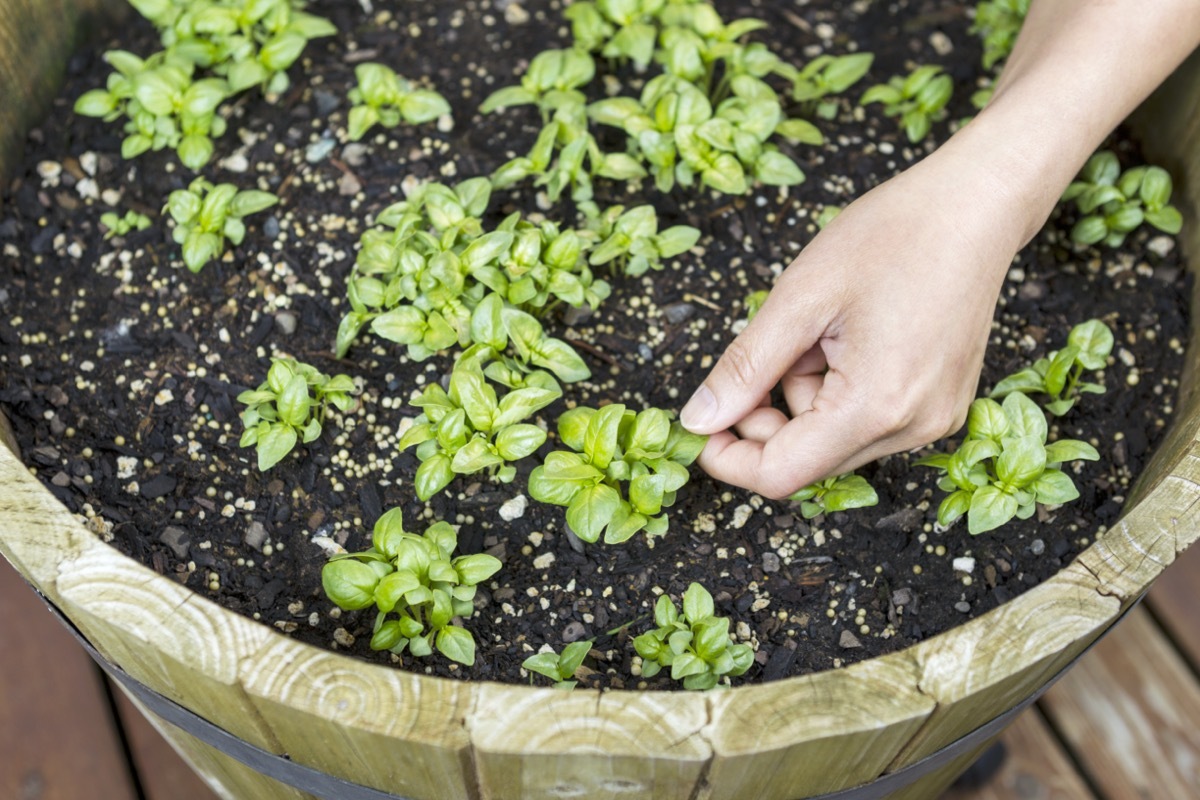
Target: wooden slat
column 1035, row 766
column 1128, row 713
column 58, row 739
column 161, row 773
column 1175, row 601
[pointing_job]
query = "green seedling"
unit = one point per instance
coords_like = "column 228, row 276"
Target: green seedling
column 631, row 241
column 418, row 586
column 559, row 668
column 694, row 644
column 384, row 98
column 470, row 429
column 290, row 407
column 610, row 447
column 119, row 225
column 1004, row 467
column 825, row 76
column 1115, row 203
column 206, row 215
column 838, row 493
column 754, row 303
column 997, row 22
column 918, row 99
column 1058, row 375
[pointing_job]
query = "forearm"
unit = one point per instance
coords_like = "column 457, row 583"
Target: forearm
column 1079, row 67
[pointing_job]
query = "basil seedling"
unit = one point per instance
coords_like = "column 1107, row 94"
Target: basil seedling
column 1058, row 375
column 290, row 407
column 839, row 493
column 610, row 447
column 384, row 98
column 918, row 99
column 694, row 644
column 119, row 225
column 559, row 668
column 418, row 586
column 1115, row 203
column 206, row 215
column 997, row 22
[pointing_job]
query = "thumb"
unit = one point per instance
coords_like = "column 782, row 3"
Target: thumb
column 752, row 365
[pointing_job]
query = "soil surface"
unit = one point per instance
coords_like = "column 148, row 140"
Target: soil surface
column 119, row 368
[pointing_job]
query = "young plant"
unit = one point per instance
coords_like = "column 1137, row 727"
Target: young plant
column 1004, row 467
column 610, row 447
column 754, row 303
column 998, row 22
column 545, row 266
column 918, row 99
column 206, row 215
column 417, row 584
column 384, row 98
column 560, row 668
column 290, row 407
column 165, row 107
column 631, row 240
column 824, row 76
column 1058, row 375
column 694, row 644
column 121, row 225
column 469, row 429
column 239, row 43
column 1115, row 203
column 838, row 493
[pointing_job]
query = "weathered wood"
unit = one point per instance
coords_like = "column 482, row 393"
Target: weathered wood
column 58, row 738
column 777, row 740
column 1128, row 713
column 162, row 773
column 228, row 778
column 1035, row 766
column 166, row 636
column 980, row 670
column 381, row 727
column 545, row 744
column 1175, row 601
column 36, row 36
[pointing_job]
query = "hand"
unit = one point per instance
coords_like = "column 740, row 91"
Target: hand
column 876, row 332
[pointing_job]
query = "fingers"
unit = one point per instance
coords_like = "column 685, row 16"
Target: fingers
column 761, row 424
column 786, row 327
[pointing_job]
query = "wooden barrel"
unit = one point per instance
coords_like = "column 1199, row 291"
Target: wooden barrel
column 431, row 739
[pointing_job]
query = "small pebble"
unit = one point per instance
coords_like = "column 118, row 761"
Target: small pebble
column 963, row 607
column 848, row 641
column 513, row 509
column 1037, row 547
column 964, row 564
column 573, row 632
column 770, row 562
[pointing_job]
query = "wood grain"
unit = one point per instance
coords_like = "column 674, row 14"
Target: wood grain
column 162, row 773
column 1128, row 714
column 374, row 725
column 1035, row 767
column 1175, row 602
column 58, row 738
column 776, row 741
column 546, row 744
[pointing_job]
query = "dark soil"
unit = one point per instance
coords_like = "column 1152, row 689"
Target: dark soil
column 119, row 368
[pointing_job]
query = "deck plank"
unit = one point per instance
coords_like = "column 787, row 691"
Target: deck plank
column 1128, row 714
column 1035, row 767
column 163, row 775
column 58, row 738
column 1175, row 599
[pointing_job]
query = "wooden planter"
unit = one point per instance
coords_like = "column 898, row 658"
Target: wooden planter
column 429, row 739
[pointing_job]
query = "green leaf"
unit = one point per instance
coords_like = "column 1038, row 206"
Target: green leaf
column 281, row 51
column 273, row 444
column 1093, row 341
column 685, row 665
column 1089, row 230
column 422, row 106
column 1156, row 188
column 600, row 438
column 350, row 584
column 697, row 603
column 545, row 664
column 1027, row 380
column 1024, row 417
column 546, row 487
column 954, row 506
column 96, row 103
column 646, row 493
column 392, row 587
column 456, row 644
column 477, row 568
column 506, row 97
column 986, row 419
column 561, row 359
column 775, row 169
column 591, row 510
column 294, row 402
column 521, row 404
column 881, row 93
column 251, row 201
column 404, row 324
column 665, row 612
column 573, row 425
column 1022, row 460
column 1053, row 487
column 1167, row 219
column 676, row 240
column 519, row 441
column 475, row 456
column 850, row 491
column 1066, row 450
column 683, row 446
column 712, row 637
column 990, row 508
column 432, row 476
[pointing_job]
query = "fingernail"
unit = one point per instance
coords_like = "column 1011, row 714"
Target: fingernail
column 699, row 410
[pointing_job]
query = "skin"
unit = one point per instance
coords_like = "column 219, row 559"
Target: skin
column 876, row 332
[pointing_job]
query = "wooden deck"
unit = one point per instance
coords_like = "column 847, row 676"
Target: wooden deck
column 1125, row 723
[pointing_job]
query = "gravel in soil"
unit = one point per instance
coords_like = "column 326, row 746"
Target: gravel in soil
column 119, row 368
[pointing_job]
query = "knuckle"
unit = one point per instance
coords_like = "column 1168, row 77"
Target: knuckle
column 740, row 362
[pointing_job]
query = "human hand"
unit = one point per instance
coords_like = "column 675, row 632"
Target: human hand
column 875, row 333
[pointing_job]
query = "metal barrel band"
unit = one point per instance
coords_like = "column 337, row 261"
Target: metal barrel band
column 327, row 787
